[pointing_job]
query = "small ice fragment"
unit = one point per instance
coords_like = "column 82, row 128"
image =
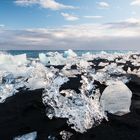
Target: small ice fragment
column 20, row 59
column 65, row 135
column 52, row 58
column 6, row 91
column 29, row 136
column 8, row 78
column 9, row 59
column 50, row 137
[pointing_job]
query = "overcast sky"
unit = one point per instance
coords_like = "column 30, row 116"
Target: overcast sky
column 75, row 24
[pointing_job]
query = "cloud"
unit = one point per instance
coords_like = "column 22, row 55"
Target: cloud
column 103, row 5
column 130, row 23
column 117, row 35
column 69, row 17
column 93, row 17
column 2, row 25
column 135, row 3
column 49, row 4
column 26, row 2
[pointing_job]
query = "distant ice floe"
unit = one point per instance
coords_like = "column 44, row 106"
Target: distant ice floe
column 29, row 136
column 83, row 110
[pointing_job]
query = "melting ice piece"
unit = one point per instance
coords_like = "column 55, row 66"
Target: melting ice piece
column 65, row 135
column 82, row 111
column 6, row 91
column 29, row 136
column 38, row 77
column 102, row 64
column 116, row 99
column 70, row 53
column 20, row 59
column 9, row 59
column 83, row 64
column 35, row 83
column 8, row 78
column 43, row 59
column 87, row 56
column 53, row 58
column 50, row 137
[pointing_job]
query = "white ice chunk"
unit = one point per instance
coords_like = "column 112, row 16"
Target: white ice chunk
column 102, row 64
column 9, row 59
column 43, row 59
column 116, row 99
column 6, row 91
column 35, row 83
column 37, row 77
column 53, row 58
column 87, row 56
column 70, row 53
column 82, row 111
column 29, row 136
column 14, row 69
column 20, row 59
column 83, row 64
column 121, row 61
column 113, row 69
column 65, row 135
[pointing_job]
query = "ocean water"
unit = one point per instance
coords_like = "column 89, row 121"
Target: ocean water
column 34, row 53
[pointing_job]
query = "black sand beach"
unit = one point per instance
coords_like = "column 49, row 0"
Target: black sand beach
column 24, row 112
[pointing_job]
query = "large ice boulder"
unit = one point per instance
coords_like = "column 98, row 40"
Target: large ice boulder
column 116, row 99
column 20, row 59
